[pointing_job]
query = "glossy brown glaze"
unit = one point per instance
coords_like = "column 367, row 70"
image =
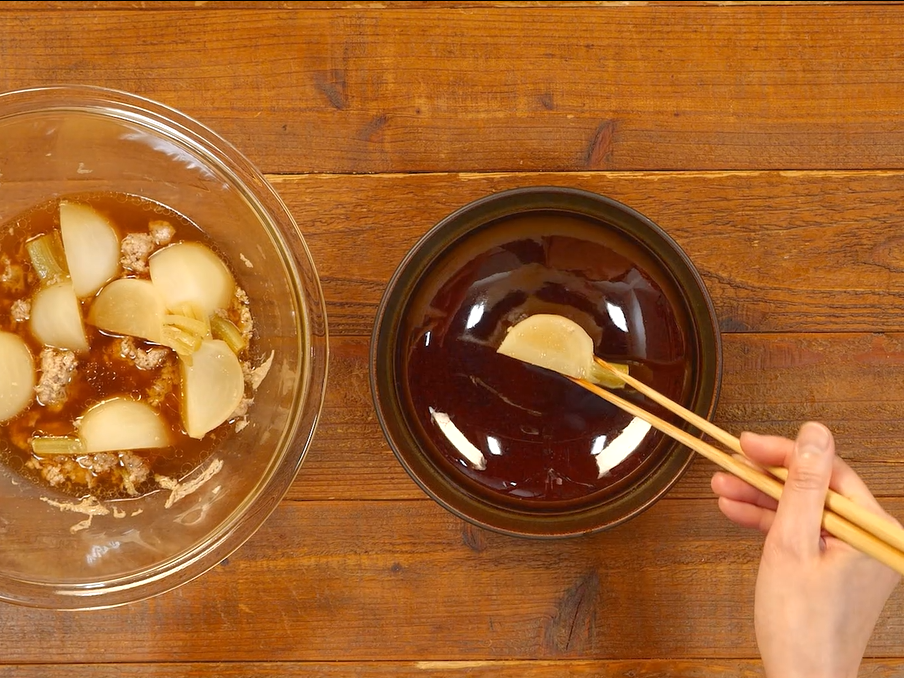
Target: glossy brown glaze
column 537, row 438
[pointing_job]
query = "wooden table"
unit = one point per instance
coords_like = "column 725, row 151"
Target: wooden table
column 768, row 140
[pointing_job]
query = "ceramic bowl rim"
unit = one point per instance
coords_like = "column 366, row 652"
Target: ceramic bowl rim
column 429, row 248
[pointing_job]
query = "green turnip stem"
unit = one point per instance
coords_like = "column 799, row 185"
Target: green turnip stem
column 47, row 257
column 224, row 329
column 51, row 445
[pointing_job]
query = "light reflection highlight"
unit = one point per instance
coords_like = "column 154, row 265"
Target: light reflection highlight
column 617, row 316
column 493, row 445
column 475, row 314
column 621, row 447
column 464, row 446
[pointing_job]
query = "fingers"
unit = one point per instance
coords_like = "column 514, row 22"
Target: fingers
column 767, row 450
column 846, row 482
column 777, row 451
column 798, row 519
column 732, row 487
column 747, row 515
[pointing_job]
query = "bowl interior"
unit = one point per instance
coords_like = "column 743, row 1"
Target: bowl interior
column 513, row 447
column 68, row 140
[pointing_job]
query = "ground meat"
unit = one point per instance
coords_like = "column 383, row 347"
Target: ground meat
column 53, row 474
column 12, row 276
column 161, row 231
column 242, row 314
column 255, row 375
column 126, row 468
column 57, row 368
column 21, row 310
column 242, row 409
column 102, row 462
column 59, row 470
column 135, row 471
column 144, row 358
column 166, row 382
column 135, row 250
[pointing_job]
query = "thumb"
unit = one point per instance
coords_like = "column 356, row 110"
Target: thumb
column 798, row 519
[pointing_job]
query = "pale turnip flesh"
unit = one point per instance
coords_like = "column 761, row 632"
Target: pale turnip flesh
column 56, row 318
column 212, row 387
column 91, row 245
column 17, row 376
column 191, row 273
column 131, row 307
column 122, row 424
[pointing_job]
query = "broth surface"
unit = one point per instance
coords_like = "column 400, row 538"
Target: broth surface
column 517, row 433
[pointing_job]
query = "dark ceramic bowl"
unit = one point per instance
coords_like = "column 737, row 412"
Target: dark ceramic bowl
column 516, row 448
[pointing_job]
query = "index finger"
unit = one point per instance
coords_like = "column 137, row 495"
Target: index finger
column 767, row 450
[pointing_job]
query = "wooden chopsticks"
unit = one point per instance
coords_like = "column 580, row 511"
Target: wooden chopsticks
column 842, row 518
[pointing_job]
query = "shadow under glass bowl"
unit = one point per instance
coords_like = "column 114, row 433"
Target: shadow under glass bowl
column 57, row 141
column 512, row 447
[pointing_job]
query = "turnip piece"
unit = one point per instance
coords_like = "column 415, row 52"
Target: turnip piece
column 56, row 318
column 225, row 329
column 559, row 344
column 212, row 387
column 91, row 245
column 47, row 257
column 129, row 306
column 17, row 376
column 48, row 446
column 122, row 424
column 188, row 272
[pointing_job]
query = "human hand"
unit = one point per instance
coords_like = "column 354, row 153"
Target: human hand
column 817, row 598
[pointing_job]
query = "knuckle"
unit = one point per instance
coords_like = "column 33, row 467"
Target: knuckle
column 805, row 479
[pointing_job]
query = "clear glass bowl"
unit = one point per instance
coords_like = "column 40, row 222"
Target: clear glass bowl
column 74, row 139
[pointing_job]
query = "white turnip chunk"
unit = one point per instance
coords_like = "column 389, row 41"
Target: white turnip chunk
column 17, row 376
column 190, row 273
column 212, row 387
column 91, row 245
column 56, row 318
column 559, row 344
column 129, row 306
column 120, row 425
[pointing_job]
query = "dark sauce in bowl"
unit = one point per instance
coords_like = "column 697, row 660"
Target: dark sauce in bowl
column 521, row 436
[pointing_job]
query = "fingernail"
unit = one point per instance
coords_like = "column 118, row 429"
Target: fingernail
column 812, row 440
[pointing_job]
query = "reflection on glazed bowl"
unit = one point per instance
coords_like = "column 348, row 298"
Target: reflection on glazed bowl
column 510, row 446
column 62, row 547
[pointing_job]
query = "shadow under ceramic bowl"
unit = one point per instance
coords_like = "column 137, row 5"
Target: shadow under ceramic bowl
column 58, row 141
column 512, row 447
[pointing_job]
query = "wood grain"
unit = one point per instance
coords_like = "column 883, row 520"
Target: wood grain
column 778, row 251
column 407, row 581
column 641, row 668
column 447, row 669
column 363, row 89
column 765, row 138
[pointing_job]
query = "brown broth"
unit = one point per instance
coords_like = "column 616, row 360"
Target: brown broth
column 103, row 372
column 539, row 434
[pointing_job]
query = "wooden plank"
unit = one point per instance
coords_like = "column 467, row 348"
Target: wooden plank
column 95, row 5
column 641, row 668
column 778, row 251
column 448, row 669
column 771, row 384
column 610, row 87
column 402, row 581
